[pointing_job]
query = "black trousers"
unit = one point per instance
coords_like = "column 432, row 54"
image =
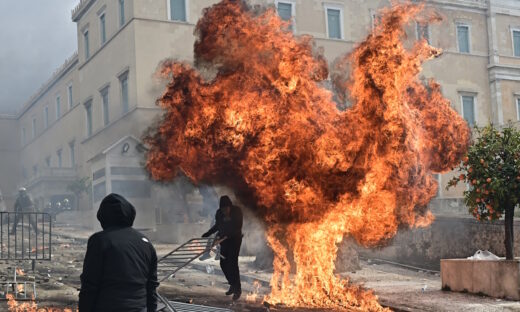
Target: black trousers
column 230, row 249
column 32, row 221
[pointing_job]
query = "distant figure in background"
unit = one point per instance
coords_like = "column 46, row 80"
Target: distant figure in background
column 3, row 208
column 228, row 224
column 24, row 203
column 120, row 267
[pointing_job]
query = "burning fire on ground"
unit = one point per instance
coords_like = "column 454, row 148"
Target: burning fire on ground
column 30, row 306
column 251, row 297
column 265, row 126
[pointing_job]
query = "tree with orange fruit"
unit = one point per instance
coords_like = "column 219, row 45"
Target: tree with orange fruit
column 492, row 170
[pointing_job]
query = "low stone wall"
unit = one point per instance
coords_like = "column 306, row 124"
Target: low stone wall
column 447, row 237
column 495, row 278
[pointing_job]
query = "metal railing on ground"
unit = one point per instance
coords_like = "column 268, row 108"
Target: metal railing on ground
column 177, row 259
column 25, row 236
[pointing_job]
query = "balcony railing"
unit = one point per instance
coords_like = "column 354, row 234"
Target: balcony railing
column 82, row 5
column 52, row 174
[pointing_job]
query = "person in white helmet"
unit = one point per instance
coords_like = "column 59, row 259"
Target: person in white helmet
column 24, row 203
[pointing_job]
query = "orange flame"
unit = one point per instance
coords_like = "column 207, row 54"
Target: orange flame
column 262, row 124
column 20, row 288
column 31, row 306
column 251, row 297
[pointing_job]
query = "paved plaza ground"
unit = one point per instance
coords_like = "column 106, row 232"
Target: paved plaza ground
column 400, row 288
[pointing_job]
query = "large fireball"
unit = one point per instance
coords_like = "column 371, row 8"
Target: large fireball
column 265, row 126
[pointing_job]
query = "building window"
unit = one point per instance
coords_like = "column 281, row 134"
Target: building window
column 34, row 127
column 102, row 28
column 88, row 110
column 468, row 109
column 69, row 93
column 45, row 117
column 121, row 12
column 518, row 108
column 177, row 10
column 58, row 107
column 104, row 98
column 463, row 38
column 48, row 161
column 86, row 44
column 24, row 136
column 286, row 12
column 516, row 43
column 72, row 153
column 334, row 22
column 60, row 160
column 423, row 31
column 123, row 79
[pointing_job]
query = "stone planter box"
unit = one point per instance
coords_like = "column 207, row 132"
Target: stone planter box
column 495, row 278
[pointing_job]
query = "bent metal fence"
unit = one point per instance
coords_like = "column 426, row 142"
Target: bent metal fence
column 25, row 236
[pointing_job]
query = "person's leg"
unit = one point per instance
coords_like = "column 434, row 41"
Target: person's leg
column 15, row 224
column 224, row 261
column 233, row 266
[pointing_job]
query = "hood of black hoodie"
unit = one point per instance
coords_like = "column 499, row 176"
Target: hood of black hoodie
column 115, row 211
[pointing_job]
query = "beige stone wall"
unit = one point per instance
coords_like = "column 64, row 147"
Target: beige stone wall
column 59, row 132
column 505, row 25
column 510, row 93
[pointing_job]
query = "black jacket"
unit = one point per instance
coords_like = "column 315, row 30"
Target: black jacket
column 120, row 267
column 230, row 227
column 23, row 203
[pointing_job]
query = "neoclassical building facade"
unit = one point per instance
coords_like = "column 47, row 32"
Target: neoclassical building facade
column 88, row 118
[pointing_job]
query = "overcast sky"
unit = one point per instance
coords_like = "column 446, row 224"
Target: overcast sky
column 36, row 36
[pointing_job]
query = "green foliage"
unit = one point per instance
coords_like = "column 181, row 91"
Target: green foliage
column 492, row 171
column 80, row 186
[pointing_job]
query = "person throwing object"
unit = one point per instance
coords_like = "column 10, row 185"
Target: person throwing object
column 228, row 224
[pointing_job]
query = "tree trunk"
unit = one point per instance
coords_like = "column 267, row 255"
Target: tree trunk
column 509, row 239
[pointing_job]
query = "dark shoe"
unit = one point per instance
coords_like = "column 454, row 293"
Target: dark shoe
column 237, row 295
column 230, row 291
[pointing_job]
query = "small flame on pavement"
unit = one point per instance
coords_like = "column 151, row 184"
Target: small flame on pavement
column 251, row 297
column 31, row 306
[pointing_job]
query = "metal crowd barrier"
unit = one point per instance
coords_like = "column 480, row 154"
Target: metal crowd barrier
column 177, row 259
column 30, row 240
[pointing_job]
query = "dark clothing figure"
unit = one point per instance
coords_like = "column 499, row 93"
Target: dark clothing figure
column 120, row 267
column 24, row 203
column 228, row 224
column 230, row 249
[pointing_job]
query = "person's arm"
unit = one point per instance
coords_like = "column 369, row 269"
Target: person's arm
column 215, row 227
column 211, row 231
column 152, row 284
column 91, row 276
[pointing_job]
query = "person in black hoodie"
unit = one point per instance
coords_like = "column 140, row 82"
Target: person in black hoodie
column 120, row 267
column 228, row 224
